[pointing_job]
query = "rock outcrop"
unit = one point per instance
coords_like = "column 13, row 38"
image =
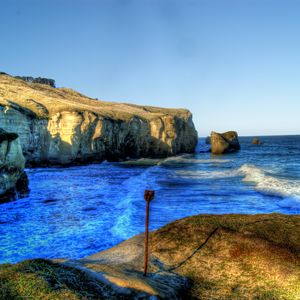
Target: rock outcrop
column 61, row 126
column 203, row 250
column 12, row 162
column 224, row 142
column 256, row 141
column 199, row 257
column 40, row 80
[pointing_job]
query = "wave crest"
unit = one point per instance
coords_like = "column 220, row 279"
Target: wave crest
column 267, row 183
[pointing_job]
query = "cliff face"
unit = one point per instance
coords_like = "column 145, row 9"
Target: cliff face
column 12, row 162
column 41, row 80
column 61, row 126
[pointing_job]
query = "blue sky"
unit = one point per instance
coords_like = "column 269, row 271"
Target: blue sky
column 234, row 64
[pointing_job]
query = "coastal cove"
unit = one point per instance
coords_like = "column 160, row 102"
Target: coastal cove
column 77, row 211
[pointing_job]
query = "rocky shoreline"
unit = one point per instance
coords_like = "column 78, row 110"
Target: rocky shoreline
column 199, row 257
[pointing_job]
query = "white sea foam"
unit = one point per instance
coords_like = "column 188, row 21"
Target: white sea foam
column 263, row 180
column 186, row 160
column 123, row 227
column 142, row 162
column 207, row 174
column 180, row 159
column 266, row 183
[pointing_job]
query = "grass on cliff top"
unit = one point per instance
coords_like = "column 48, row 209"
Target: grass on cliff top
column 43, row 100
column 42, row 279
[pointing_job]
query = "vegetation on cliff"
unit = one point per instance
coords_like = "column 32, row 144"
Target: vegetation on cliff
column 43, row 101
column 61, row 126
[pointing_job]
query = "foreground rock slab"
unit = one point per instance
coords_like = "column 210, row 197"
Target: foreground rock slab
column 12, row 163
column 200, row 257
column 61, row 126
column 224, row 142
column 208, row 257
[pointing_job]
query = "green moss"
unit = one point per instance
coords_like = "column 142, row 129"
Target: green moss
column 234, row 256
column 42, row 279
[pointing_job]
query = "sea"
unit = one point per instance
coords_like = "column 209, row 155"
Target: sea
column 77, row 211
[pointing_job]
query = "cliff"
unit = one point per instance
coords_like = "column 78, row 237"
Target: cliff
column 40, row 80
column 200, row 257
column 61, row 126
column 12, row 163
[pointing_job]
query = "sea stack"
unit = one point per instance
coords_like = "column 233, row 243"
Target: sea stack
column 12, row 163
column 256, row 141
column 224, row 142
column 61, row 126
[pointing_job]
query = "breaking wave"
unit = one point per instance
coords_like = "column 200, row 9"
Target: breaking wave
column 185, row 159
column 263, row 181
column 207, row 174
column 269, row 184
column 176, row 160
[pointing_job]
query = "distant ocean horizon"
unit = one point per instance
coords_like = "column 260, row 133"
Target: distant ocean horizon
column 77, row 211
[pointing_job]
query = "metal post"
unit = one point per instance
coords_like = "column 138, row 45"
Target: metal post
column 148, row 196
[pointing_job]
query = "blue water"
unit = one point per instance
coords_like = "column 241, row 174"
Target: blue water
column 77, row 211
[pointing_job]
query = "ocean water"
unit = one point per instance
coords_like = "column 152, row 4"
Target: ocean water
column 74, row 212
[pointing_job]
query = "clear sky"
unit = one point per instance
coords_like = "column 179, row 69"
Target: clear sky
column 234, row 63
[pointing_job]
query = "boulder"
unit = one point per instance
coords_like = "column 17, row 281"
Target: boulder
column 256, row 141
column 12, row 163
column 224, row 142
column 207, row 140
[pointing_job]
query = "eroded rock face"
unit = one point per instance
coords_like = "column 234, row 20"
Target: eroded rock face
column 224, row 142
column 60, row 126
column 12, row 163
column 40, row 80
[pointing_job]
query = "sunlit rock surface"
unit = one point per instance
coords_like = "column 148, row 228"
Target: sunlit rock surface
column 224, row 142
column 61, row 126
column 200, row 257
column 209, row 257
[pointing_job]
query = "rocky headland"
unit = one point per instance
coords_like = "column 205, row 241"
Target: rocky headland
column 12, row 163
column 58, row 126
column 199, row 257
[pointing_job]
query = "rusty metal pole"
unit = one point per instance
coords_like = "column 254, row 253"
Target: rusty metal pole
column 148, row 196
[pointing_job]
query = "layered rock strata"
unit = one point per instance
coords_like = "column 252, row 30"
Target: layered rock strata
column 61, row 126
